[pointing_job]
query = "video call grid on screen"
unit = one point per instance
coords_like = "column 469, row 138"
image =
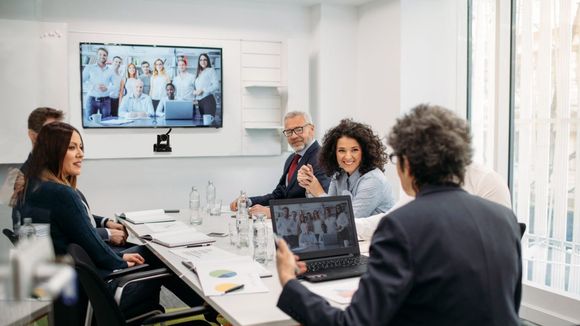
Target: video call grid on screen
column 315, row 226
column 92, row 116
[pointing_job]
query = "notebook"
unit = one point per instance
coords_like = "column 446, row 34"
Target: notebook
column 148, row 216
column 178, row 110
column 181, row 237
column 322, row 232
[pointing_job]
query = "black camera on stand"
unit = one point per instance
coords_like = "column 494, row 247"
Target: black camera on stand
column 162, row 143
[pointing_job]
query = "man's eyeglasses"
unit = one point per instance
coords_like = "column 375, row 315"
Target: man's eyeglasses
column 393, row 158
column 297, row 130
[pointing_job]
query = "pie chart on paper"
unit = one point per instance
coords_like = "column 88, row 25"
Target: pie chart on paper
column 222, row 273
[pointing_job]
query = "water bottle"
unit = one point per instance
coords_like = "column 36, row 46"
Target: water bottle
column 260, row 239
column 27, row 231
column 242, row 221
column 210, row 197
column 195, row 217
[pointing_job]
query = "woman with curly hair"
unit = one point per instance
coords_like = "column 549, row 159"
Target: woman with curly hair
column 354, row 157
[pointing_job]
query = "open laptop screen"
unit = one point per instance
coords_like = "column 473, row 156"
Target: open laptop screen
column 316, row 227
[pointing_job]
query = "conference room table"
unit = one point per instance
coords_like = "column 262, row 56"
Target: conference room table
column 238, row 309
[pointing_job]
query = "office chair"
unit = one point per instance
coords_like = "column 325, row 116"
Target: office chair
column 105, row 305
column 522, row 229
column 13, row 237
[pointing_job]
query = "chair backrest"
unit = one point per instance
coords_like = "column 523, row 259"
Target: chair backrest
column 106, row 310
column 522, row 229
column 13, row 237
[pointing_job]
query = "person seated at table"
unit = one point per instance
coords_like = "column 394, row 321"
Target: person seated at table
column 169, row 96
column 51, row 181
column 446, row 258
column 480, row 180
column 112, row 232
column 136, row 105
column 307, row 238
column 299, row 132
column 354, row 157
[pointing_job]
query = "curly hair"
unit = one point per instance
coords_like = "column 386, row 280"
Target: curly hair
column 435, row 142
column 374, row 153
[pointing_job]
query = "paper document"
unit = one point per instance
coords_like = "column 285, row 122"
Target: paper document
column 182, row 237
column 149, row 216
column 167, row 226
column 211, row 253
column 217, row 277
column 339, row 291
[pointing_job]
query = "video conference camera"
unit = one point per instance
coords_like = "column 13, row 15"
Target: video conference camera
column 162, row 143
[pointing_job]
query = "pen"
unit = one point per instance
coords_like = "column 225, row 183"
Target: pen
column 235, row 288
column 189, row 266
column 171, row 211
column 198, row 245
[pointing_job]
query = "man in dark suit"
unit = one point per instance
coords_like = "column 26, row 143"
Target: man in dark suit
column 110, row 231
column 299, row 132
column 446, row 258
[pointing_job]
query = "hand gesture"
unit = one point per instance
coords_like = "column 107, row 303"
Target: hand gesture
column 117, row 237
column 287, row 263
column 133, row 259
column 307, row 180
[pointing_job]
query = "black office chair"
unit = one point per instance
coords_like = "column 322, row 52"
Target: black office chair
column 106, row 309
column 13, row 237
column 522, row 229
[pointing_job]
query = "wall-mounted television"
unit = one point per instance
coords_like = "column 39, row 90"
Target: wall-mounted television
column 150, row 86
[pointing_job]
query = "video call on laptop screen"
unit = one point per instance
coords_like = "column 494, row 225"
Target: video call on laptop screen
column 314, row 224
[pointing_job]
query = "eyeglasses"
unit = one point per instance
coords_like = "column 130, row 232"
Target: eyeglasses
column 393, row 158
column 297, row 130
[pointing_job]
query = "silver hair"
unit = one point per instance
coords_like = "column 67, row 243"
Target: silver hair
column 293, row 114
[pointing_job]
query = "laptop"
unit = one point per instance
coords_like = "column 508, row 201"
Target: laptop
column 178, row 110
column 323, row 233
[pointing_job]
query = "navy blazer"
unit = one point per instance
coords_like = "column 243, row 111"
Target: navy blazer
column 69, row 223
column 293, row 190
column 446, row 258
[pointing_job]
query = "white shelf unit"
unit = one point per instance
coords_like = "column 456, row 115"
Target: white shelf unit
column 262, row 100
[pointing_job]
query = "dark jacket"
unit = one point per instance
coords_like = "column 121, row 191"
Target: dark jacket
column 69, row 223
column 446, row 258
column 293, row 190
column 24, row 209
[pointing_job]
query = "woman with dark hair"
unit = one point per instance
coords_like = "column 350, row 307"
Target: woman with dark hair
column 56, row 163
column 355, row 157
column 206, row 84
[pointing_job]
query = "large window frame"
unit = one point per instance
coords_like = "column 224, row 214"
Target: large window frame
column 540, row 304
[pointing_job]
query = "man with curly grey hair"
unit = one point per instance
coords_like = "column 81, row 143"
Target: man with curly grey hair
column 446, row 258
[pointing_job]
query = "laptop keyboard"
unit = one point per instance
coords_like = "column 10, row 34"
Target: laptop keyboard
column 343, row 262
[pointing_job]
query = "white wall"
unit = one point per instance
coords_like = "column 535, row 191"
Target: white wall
column 433, row 53
column 335, row 46
column 116, row 184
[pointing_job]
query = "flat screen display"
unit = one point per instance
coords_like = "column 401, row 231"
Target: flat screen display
column 150, row 86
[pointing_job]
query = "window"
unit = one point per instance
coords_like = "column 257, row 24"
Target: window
column 544, row 127
column 545, row 145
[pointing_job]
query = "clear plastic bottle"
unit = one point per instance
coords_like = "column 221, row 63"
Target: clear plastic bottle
column 195, row 217
column 242, row 221
column 260, row 239
column 27, row 230
column 210, row 196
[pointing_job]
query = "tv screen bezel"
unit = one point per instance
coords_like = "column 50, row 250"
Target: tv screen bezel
column 82, row 109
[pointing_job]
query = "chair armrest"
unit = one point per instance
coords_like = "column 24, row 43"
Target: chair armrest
column 122, row 272
column 139, row 277
column 161, row 318
column 142, row 276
